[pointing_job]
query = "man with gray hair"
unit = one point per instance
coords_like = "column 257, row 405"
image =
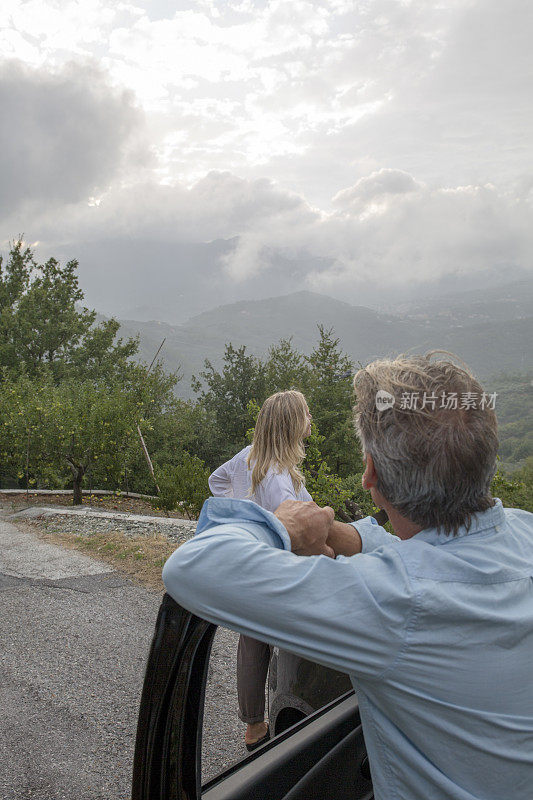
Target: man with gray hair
column 434, row 624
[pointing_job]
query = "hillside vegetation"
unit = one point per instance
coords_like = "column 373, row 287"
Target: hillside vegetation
column 514, row 408
column 74, row 398
column 491, row 337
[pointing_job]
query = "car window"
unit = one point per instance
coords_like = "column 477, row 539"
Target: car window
column 294, row 688
column 189, row 740
column 222, row 730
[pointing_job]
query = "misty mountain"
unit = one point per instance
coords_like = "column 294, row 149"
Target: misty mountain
column 489, row 342
column 145, row 279
column 511, row 301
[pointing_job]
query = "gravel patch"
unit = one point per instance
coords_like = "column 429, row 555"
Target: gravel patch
column 88, row 521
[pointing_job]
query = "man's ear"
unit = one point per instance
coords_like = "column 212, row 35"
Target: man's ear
column 369, row 479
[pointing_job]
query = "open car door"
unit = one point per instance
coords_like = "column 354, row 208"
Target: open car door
column 322, row 757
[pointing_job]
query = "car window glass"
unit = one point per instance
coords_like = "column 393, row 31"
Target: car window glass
column 294, row 689
column 222, row 732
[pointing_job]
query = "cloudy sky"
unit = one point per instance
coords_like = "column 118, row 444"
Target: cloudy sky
column 372, row 143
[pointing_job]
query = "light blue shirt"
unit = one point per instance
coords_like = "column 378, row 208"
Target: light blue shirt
column 436, row 633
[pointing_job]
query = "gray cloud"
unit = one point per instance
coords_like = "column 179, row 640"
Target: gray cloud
column 377, row 186
column 148, row 245
column 413, row 117
column 220, row 205
column 387, row 229
column 451, row 82
column 63, row 135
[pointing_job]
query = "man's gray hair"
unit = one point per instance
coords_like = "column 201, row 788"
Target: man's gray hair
column 433, row 464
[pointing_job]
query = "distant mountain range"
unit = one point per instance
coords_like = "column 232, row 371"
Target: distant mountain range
column 148, row 279
column 492, row 329
column 144, row 279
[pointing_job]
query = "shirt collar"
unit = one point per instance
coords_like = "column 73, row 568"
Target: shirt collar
column 220, row 510
column 484, row 520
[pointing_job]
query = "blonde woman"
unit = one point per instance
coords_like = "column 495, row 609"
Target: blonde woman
column 267, row 472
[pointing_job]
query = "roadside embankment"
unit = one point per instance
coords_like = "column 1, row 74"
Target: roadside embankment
column 90, row 520
column 135, row 544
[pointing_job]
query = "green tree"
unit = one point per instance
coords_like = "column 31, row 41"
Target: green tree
column 156, row 412
column 525, row 473
column 514, row 409
column 187, row 427
column 330, row 397
column 285, row 368
column 183, row 486
column 14, row 278
column 52, row 431
column 44, row 325
column 54, row 434
column 515, row 491
column 344, row 495
column 225, row 396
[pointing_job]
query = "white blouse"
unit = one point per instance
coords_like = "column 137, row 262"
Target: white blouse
column 234, row 479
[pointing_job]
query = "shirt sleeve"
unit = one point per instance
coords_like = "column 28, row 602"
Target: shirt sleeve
column 220, row 481
column 304, row 495
column 372, row 534
column 348, row 613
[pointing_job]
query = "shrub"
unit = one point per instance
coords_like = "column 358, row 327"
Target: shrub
column 344, row 495
column 183, row 486
column 512, row 491
column 168, row 489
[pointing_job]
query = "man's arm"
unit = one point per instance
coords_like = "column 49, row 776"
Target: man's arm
column 344, row 539
column 303, row 521
column 348, row 613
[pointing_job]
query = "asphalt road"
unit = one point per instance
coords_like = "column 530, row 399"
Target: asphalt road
column 74, row 640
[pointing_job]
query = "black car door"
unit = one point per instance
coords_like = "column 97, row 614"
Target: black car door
column 320, row 758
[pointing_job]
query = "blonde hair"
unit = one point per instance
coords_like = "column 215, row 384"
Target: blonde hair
column 434, row 462
column 278, row 438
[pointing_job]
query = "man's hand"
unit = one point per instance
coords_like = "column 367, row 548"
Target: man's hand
column 308, row 526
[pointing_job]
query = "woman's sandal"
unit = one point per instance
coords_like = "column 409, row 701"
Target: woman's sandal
column 259, row 742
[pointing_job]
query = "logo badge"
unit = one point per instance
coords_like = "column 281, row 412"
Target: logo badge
column 384, row 400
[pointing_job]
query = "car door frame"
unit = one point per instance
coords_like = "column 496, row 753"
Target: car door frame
column 296, row 765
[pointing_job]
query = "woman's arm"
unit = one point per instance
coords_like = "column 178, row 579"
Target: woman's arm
column 220, row 481
column 303, row 494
